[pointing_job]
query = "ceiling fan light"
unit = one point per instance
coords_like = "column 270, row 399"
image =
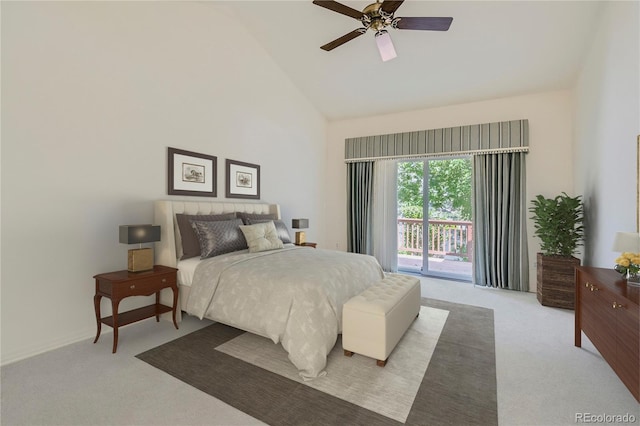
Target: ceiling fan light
column 385, row 46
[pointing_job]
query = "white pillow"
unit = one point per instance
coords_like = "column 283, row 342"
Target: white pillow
column 261, row 237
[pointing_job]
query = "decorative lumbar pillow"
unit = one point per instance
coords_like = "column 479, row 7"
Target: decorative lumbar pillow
column 248, row 216
column 261, row 237
column 281, row 228
column 219, row 237
column 190, row 242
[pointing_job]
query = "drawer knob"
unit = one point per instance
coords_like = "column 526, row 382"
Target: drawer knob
column 164, row 280
column 132, row 286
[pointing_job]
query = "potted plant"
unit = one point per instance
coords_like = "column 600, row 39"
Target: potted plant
column 559, row 226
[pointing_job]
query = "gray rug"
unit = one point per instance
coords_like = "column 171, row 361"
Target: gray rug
column 458, row 387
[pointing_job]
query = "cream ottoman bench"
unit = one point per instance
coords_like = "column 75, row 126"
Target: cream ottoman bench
column 374, row 321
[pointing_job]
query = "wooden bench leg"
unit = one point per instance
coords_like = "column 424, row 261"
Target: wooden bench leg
column 380, row 363
column 348, row 353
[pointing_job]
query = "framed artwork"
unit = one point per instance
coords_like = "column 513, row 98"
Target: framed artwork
column 190, row 173
column 243, row 180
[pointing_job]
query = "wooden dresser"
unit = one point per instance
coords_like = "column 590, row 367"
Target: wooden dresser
column 608, row 312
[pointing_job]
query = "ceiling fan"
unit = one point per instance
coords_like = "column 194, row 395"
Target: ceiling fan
column 378, row 16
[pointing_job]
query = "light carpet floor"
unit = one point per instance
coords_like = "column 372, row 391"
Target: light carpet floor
column 542, row 378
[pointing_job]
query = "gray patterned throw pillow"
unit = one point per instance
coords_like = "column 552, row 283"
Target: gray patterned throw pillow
column 190, row 242
column 219, row 237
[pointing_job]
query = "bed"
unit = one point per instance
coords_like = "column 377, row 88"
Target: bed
column 290, row 294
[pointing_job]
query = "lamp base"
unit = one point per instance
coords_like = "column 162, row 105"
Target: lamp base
column 300, row 237
column 140, row 260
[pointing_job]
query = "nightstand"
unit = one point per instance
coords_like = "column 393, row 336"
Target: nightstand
column 308, row 244
column 122, row 284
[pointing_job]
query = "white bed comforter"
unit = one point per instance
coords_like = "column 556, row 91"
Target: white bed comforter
column 292, row 295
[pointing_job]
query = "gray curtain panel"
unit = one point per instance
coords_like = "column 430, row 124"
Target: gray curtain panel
column 500, row 243
column 359, row 205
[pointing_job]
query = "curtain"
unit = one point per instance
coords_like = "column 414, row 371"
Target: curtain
column 385, row 214
column 505, row 136
column 359, row 206
column 500, row 240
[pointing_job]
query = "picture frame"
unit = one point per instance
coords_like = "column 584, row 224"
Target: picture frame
column 243, row 180
column 191, row 173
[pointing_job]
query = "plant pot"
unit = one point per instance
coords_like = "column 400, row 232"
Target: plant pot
column 556, row 280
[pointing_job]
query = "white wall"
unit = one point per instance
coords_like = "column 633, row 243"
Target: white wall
column 607, row 122
column 549, row 165
column 93, row 93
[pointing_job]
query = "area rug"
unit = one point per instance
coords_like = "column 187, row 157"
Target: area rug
column 389, row 391
column 441, row 372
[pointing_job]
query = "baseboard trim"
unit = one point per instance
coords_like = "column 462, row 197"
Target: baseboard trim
column 34, row 350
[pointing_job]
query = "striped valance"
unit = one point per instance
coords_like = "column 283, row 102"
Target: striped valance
column 505, row 136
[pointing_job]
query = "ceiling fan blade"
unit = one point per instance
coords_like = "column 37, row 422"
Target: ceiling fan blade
column 390, row 6
column 429, row 23
column 342, row 40
column 340, row 8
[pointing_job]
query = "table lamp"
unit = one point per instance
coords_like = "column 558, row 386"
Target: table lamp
column 300, row 224
column 140, row 259
column 627, row 242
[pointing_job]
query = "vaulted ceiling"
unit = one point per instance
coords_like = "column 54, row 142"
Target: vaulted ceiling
column 493, row 49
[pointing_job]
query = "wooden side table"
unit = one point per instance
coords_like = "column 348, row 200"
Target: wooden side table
column 121, row 284
column 308, row 244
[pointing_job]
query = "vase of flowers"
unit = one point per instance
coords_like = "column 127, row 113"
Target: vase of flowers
column 628, row 264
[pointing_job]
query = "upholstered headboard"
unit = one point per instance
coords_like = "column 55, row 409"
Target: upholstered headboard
column 166, row 250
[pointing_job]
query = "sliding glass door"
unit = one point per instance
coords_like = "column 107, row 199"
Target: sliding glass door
column 435, row 230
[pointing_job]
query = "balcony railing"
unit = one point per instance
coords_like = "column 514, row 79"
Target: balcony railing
column 445, row 238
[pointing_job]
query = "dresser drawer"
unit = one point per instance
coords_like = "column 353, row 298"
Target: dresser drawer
column 144, row 287
column 598, row 318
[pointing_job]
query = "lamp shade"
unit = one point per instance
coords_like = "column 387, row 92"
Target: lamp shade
column 385, row 45
column 626, row 242
column 300, row 223
column 138, row 234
